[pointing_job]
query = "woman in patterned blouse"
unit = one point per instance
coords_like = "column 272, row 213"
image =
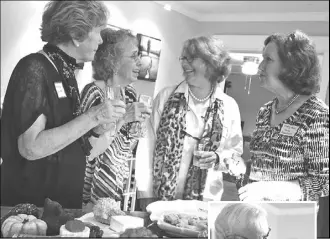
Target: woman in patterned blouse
column 290, row 145
column 116, row 63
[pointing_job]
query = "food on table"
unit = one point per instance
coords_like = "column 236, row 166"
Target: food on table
column 121, row 223
column 95, row 232
column 138, row 232
column 55, row 216
column 74, row 228
column 191, row 222
column 23, row 208
column 105, row 208
column 173, row 219
column 23, row 224
column 203, row 234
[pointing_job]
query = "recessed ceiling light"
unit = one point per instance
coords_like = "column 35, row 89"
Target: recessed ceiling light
column 167, row 7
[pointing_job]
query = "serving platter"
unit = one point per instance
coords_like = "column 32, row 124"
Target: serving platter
column 189, row 207
column 158, row 208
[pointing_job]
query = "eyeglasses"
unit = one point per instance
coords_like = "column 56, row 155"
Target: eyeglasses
column 265, row 237
column 242, row 237
column 188, row 59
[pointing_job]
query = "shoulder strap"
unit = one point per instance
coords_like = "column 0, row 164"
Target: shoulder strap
column 44, row 53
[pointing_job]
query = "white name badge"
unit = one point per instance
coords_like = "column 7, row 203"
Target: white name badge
column 289, row 130
column 60, row 90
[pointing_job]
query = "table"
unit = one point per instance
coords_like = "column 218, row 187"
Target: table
column 80, row 212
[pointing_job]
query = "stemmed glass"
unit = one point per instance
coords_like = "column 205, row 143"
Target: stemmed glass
column 115, row 93
column 147, row 101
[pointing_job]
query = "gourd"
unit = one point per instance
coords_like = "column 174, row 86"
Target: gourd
column 23, row 208
column 23, row 224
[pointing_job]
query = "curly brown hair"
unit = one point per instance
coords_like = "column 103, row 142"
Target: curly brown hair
column 210, row 49
column 63, row 21
column 301, row 67
column 110, row 52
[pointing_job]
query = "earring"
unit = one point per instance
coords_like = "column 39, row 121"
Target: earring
column 77, row 45
column 115, row 73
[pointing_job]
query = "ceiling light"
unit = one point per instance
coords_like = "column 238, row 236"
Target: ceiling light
column 167, row 7
column 249, row 68
column 250, row 65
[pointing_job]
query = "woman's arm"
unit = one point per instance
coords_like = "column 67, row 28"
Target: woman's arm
column 234, row 141
column 36, row 142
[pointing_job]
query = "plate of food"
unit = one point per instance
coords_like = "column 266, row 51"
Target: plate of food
column 183, row 218
column 183, row 224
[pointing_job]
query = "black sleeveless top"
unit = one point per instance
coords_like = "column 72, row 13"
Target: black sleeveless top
column 31, row 92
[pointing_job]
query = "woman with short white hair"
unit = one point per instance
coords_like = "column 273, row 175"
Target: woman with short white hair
column 242, row 221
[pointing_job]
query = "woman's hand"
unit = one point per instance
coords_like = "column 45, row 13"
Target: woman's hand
column 271, row 191
column 99, row 145
column 136, row 111
column 206, row 159
column 107, row 112
column 235, row 165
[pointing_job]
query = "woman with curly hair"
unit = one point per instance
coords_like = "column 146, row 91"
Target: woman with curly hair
column 116, row 63
column 194, row 112
column 290, row 145
column 42, row 128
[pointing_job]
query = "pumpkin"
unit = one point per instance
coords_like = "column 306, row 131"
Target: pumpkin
column 23, row 208
column 23, row 224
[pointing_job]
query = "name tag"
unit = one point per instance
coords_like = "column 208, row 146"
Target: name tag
column 289, row 130
column 60, row 90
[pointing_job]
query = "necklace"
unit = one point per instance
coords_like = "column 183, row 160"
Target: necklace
column 277, row 111
column 203, row 99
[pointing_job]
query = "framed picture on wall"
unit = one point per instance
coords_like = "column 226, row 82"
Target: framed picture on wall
column 149, row 49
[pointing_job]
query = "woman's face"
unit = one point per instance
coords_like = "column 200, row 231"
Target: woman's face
column 194, row 69
column 87, row 48
column 270, row 68
column 129, row 65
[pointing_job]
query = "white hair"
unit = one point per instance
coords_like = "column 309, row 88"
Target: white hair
column 241, row 220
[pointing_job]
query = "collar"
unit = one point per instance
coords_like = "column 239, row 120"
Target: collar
column 68, row 59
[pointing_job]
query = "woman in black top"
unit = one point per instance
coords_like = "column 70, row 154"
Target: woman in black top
column 44, row 137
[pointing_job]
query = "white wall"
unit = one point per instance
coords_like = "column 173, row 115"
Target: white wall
column 296, row 226
column 20, row 35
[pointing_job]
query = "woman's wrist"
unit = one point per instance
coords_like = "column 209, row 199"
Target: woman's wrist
column 91, row 114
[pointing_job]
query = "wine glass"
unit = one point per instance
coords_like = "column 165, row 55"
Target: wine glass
column 115, row 93
column 147, row 100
